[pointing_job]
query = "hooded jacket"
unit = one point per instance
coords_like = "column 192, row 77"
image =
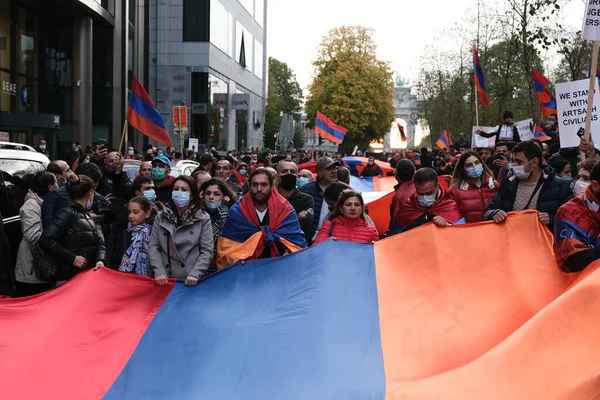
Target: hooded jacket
column 31, row 226
column 71, row 233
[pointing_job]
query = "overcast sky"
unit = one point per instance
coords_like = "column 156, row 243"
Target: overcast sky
column 402, row 28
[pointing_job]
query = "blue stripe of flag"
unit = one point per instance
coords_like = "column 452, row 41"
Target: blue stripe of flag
column 146, row 110
column 303, row 326
column 332, row 131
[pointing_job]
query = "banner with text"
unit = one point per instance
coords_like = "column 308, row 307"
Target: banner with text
column 525, row 128
column 571, row 101
column 480, row 141
column 591, row 21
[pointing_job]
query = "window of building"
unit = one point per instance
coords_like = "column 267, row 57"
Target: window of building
column 247, row 54
column 248, row 5
column 28, row 43
column 258, row 59
column 196, row 20
column 259, row 11
column 220, row 28
column 5, row 34
column 217, row 114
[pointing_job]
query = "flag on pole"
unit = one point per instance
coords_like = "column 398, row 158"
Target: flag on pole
column 480, row 80
column 328, row 130
column 544, row 96
column 444, row 142
column 540, row 135
column 402, row 134
column 143, row 115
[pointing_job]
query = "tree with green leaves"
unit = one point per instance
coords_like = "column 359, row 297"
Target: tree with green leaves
column 351, row 86
column 285, row 96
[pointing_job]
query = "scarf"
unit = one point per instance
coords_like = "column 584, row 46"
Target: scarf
column 170, row 213
column 444, row 206
column 135, row 258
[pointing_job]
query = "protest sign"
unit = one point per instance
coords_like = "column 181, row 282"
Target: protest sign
column 572, row 101
column 480, row 141
column 591, row 21
column 525, row 128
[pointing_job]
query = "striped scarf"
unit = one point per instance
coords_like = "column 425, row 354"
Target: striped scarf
column 135, row 258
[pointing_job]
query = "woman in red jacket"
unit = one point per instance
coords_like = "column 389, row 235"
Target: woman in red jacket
column 473, row 186
column 347, row 221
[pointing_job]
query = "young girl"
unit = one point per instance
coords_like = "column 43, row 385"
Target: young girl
column 135, row 259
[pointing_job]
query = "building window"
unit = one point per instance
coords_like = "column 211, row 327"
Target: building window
column 258, row 59
column 5, row 34
column 196, row 20
column 248, row 5
column 28, row 42
column 220, row 28
column 248, row 40
column 217, row 112
column 259, row 12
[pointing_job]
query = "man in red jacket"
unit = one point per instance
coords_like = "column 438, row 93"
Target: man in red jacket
column 430, row 202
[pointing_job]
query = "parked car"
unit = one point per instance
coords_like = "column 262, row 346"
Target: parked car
column 15, row 166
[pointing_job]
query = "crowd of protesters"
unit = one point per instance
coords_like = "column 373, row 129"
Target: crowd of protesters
column 85, row 212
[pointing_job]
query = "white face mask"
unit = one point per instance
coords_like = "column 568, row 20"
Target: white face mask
column 580, row 187
column 519, row 171
column 427, row 200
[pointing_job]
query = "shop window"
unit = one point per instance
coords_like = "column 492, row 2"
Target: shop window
column 5, row 34
column 196, row 20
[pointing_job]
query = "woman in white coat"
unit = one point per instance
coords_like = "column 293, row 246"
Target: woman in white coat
column 27, row 283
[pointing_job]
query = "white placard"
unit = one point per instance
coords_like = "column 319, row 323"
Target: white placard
column 571, row 101
column 480, row 141
column 525, row 128
column 591, row 21
column 193, row 144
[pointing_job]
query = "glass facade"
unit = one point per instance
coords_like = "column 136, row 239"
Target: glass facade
column 242, row 32
column 258, row 59
column 259, row 12
column 221, row 27
column 218, row 91
column 196, row 20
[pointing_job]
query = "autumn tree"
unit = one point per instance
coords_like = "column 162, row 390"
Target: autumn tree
column 285, row 95
column 351, row 86
column 576, row 56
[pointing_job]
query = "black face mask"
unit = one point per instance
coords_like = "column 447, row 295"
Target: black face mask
column 287, row 182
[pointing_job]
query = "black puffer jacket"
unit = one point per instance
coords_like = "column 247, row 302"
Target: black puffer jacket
column 313, row 189
column 72, row 233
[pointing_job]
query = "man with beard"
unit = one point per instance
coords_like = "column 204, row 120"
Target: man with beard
column 262, row 225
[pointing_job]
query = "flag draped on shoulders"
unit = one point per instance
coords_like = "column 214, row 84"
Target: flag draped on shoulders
column 242, row 237
column 577, row 226
column 445, row 207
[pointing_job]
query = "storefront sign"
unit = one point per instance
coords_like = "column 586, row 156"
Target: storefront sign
column 9, row 88
column 241, row 102
column 199, row 108
column 220, row 99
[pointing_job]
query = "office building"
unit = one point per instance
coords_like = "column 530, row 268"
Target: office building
column 63, row 69
column 210, row 55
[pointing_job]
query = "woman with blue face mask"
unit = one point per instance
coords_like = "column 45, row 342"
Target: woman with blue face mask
column 181, row 242
column 562, row 168
column 472, row 186
column 216, row 197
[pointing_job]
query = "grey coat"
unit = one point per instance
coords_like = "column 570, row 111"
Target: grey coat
column 31, row 225
column 191, row 246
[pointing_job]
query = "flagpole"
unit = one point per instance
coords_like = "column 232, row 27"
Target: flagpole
column 123, row 135
column 476, row 103
column 592, row 89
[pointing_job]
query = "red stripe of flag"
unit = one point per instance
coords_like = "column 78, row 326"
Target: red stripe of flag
column 480, row 79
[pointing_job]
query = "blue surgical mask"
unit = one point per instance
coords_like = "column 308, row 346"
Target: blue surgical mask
column 158, row 174
column 474, row 172
column 42, row 147
column 370, row 163
column 212, row 205
column 426, row 200
column 301, row 182
column 180, row 198
column 242, row 172
column 150, row 194
column 519, row 172
column 567, row 178
column 89, row 204
column 550, row 123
